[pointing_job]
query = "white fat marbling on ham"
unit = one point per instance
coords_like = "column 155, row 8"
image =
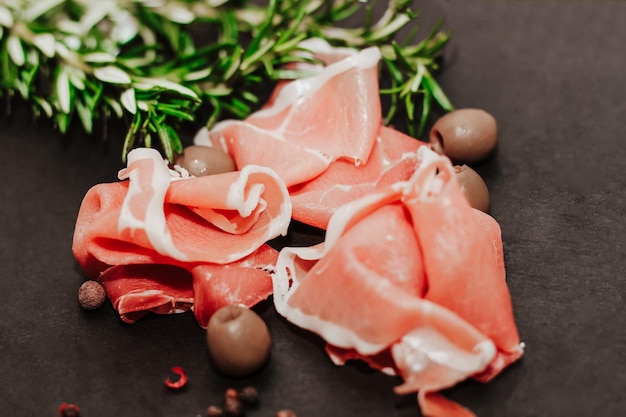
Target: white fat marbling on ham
column 302, row 92
column 425, row 351
column 298, row 90
column 346, row 214
column 247, row 199
column 142, row 208
column 286, row 282
column 307, row 121
column 393, row 159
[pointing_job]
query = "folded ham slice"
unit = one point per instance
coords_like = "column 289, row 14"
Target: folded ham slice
column 393, row 158
column 411, row 280
column 309, row 122
column 322, row 134
column 162, row 243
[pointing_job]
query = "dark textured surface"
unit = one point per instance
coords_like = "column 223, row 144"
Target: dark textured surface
column 552, row 72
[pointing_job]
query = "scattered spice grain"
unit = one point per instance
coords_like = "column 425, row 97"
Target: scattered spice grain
column 69, row 410
column 249, row 396
column 91, row 295
column 214, row 411
column 180, row 382
column 232, row 405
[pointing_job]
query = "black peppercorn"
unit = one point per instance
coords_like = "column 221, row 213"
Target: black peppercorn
column 249, row 395
column 233, row 407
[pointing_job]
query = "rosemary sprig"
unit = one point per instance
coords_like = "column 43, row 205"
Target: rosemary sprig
column 148, row 61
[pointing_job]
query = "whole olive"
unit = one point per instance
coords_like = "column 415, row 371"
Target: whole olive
column 238, row 340
column 473, row 187
column 205, row 160
column 465, row 135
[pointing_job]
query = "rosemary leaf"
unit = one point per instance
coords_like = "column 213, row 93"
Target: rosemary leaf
column 128, row 101
column 160, row 64
column 85, row 117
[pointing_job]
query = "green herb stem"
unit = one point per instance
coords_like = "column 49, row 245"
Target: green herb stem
column 146, row 62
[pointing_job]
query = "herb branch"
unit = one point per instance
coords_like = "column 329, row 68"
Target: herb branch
column 145, row 61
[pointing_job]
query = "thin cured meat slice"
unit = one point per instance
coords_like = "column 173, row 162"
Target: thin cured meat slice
column 462, row 249
column 310, row 114
column 250, row 145
column 435, row 404
column 136, row 290
column 393, row 159
column 182, row 225
column 309, row 122
column 390, row 298
column 332, row 112
column 246, row 282
column 367, row 308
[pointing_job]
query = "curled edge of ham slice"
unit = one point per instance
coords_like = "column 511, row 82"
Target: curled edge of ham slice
column 136, row 290
column 333, row 289
column 139, row 289
column 153, row 218
column 166, row 244
column 393, row 159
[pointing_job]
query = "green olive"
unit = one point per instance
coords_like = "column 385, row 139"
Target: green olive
column 238, row 340
column 473, row 187
column 205, row 160
column 465, row 136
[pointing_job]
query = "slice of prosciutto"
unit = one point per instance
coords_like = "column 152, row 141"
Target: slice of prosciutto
column 393, row 158
column 162, row 243
column 411, row 280
column 323, row 134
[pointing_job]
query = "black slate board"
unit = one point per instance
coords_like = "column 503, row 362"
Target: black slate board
column 552, row 72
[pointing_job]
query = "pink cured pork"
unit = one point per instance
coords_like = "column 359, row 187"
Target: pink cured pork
column 322, row 134
column 393, row 159
column 411, row 280
column 162, row 243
